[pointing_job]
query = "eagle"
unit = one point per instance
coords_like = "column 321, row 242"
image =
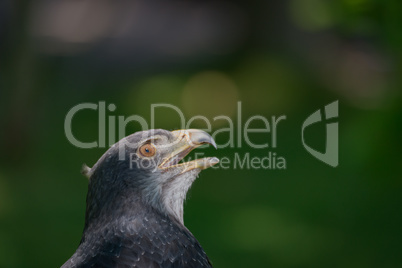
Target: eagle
column 134, row 210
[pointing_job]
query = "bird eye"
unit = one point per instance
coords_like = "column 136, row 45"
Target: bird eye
column 147, row 150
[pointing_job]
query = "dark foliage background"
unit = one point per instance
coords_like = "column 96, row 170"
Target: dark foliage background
column 276, row 57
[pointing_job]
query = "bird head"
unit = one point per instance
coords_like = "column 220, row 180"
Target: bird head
column 145, row 167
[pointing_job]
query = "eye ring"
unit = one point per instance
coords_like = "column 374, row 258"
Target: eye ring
column 147, row 150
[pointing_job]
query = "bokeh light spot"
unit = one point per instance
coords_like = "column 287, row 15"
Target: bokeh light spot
column 267, row 84
column 155, row 90
column 311, row 15
column 210, row 94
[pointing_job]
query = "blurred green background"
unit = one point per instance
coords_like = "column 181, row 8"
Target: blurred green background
column 276, row 57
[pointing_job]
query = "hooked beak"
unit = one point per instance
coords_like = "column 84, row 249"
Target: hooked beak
column 185, row 142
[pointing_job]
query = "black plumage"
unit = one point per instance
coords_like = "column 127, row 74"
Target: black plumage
column 135, row 203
